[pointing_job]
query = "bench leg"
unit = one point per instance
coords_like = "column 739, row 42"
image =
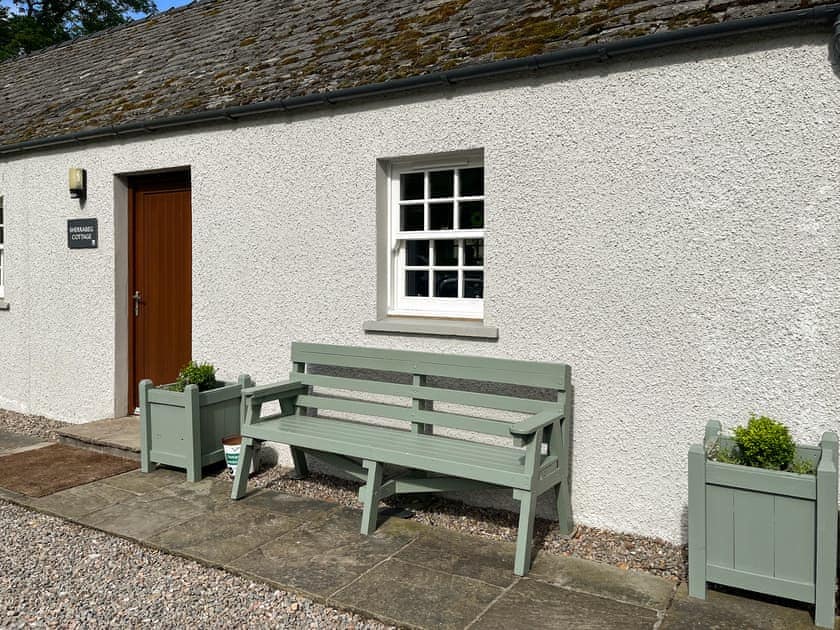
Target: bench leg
column 525, row 535
column 299, row 459
column 240, row 480
column 371, row 494
column 563, row 497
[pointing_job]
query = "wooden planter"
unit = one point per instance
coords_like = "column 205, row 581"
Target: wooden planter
column 185, row 429
column 762, row 530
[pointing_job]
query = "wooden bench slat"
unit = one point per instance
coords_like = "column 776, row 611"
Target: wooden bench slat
column 401, row 448
column 499, row 428
column 510, row 371
column 441, row 394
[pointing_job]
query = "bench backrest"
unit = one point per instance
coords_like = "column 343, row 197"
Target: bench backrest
column 419, row 368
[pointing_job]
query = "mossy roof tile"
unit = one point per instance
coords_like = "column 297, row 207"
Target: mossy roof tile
column 216, row 53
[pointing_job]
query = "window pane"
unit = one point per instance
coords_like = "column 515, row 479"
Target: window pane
column 446, row 284
column 474, row 252
column 1, row 234
column 417, row 253
column 442, row 184
column 446, row 254
column 411, row 186
column 472, row 182
column 417, row 283
column 471, row 215
column 412, row 218
column 441, row 216
column 473, row 284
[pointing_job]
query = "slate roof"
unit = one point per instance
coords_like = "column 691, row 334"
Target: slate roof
column 214, row 54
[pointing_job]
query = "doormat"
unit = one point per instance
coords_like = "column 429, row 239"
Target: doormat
column 43, row 471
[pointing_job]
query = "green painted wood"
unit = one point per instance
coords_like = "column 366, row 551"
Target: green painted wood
column 719, row 540
column 794, row 528
column 514, row 372
column 438, row 484
column 240, row 479
column 560, row 445
column 345, row 465
column 185, row 429
column 525, row 534
column 145, row 429
column 761, row 583
column 271, row 391
column 535, row 423
column 299, row 460
column 826, row 531
column 697, row 522
column 391, row 446
column 761, row 480
column 408, row 414
column 471, row 399
column 371, row 501
column 767, row 531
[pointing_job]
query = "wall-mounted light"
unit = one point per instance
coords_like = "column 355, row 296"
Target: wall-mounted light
column 78, row 183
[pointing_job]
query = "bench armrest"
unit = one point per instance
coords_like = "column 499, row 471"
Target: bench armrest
column 531, row 425
column 274, row 390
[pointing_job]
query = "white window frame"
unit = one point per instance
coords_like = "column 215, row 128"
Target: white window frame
column 2, row 251
column 398, row 303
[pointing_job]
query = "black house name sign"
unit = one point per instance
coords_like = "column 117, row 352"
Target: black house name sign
column 82, row 233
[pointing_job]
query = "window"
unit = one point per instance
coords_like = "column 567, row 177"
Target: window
column 2, row 262
column 436, row 217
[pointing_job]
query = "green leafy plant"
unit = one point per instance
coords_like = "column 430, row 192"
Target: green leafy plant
column 763, row 443
column 201, row 374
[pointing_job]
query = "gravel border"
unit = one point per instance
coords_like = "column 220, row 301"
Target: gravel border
column 626, row 551
column 56, row 574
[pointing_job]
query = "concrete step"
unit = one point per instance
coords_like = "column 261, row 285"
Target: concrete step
column 112, row 436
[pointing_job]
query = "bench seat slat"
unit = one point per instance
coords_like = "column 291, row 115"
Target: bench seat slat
column 471, row 460
column 499, row 428
column 514, row 372
column 475, row 399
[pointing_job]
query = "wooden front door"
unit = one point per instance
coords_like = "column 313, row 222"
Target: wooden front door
column 160, row 279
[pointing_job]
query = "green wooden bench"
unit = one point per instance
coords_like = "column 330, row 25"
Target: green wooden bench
column 537, row 459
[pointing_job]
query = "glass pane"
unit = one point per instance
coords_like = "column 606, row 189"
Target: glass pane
column 417, row 253
column 446, row 255
column 1, row 234
column 446, row 284
column 474, row 252
column 412, row 218
column 471, row 215
column 442, row 184
column 411, row 186
column 441, row 216
column 417, row 283
column 472, row 182
column 473, row 284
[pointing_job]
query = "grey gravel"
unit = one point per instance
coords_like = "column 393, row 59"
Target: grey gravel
column 57, row 574
column 36, row 426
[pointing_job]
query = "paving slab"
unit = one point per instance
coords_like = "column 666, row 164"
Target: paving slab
column 537, row 605
column 728, row 611
column 319, row 558
column 139, row 483
column 225, row 534
column 131, row 519
column 596, row 578
column 16, row 443
column 119, row 433
column 408, row 594
column 80, row 501
column 454, row 553
column 303, row 508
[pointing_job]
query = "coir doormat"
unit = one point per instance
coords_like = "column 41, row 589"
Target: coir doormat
column 42, row 471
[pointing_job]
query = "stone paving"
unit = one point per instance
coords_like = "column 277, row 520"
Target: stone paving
column 408, row 574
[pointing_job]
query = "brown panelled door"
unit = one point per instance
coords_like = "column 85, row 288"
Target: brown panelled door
column 160, row 279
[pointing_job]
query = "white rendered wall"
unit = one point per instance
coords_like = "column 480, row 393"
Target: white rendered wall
column 667, row 225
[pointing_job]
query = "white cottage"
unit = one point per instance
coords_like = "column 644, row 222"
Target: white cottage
column 645, row 190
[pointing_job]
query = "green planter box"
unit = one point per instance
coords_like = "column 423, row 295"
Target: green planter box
column 762, row 530
column 185, row 429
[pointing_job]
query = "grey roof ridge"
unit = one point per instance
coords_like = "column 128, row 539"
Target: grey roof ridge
column 106, row 31
column 816, row 15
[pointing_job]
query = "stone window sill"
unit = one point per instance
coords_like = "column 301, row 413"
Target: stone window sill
column 4, row 305
column 430, row 326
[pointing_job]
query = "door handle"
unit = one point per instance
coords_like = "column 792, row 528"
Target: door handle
column 137, row 300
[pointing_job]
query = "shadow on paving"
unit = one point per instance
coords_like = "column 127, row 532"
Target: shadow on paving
column 407, row 573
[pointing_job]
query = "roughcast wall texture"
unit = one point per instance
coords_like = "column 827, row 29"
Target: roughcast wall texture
column 667, row 225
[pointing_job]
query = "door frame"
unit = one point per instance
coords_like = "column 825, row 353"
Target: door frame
column 125, row 187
